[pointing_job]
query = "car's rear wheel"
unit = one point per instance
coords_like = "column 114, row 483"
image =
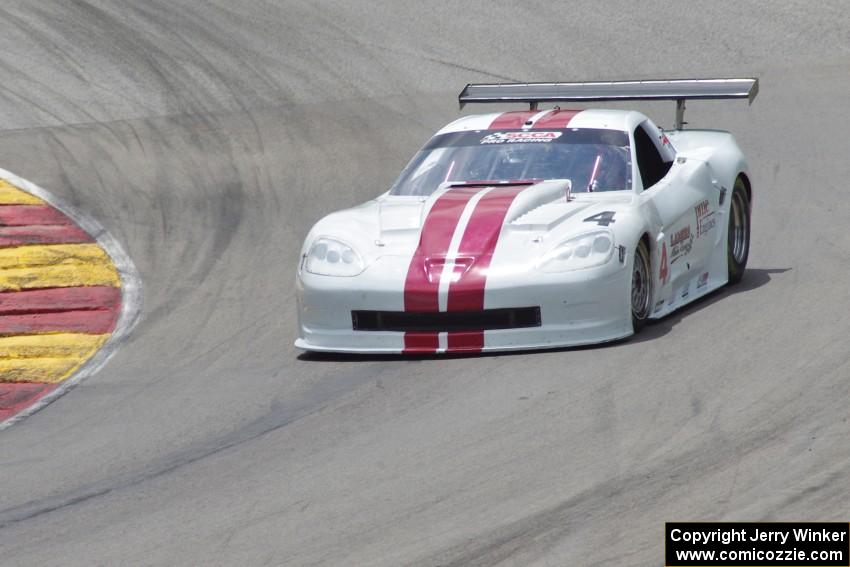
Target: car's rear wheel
column 738, row 240
column 641, row 287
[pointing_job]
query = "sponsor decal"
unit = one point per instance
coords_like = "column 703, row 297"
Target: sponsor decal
column 520, row 137
column 705, row 218
column 681, row 243
column 680, row 236
column 703, row 280
column 686, row 290
column 658, row 305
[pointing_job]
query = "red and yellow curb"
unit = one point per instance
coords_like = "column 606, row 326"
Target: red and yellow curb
column 60, row 298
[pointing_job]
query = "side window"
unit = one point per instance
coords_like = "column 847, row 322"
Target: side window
column 651, row 165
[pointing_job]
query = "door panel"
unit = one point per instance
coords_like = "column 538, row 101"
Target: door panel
column 685, row 205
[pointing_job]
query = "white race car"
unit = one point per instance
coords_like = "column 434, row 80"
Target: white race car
column 534, row 229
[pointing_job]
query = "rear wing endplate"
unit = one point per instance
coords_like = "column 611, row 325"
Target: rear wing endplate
column 679, row 90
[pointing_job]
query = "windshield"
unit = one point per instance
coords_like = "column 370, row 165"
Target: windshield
column 593, row 159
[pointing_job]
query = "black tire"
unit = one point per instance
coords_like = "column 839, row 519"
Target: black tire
column 738, row 235
column 641, row 296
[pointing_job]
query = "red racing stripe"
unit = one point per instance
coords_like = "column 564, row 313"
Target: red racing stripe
column 465, row 341
column 24, row 215
column 478, row 243
column 512, row 119
column 56, row 234
column 17, row 396
column 424, row 342
column 422, row 285
column 59, row 299
column 555, row 119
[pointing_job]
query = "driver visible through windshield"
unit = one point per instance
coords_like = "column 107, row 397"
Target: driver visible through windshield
column 592, row 159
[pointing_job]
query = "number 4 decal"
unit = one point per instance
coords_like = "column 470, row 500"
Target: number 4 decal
column 602, row 219
column 664, row 272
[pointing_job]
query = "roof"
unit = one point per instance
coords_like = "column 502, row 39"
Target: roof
column 551, row 118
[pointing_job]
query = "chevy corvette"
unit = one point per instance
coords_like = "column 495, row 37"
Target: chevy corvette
column 535, row 228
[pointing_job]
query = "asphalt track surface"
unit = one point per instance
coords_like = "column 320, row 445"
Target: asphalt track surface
column 208, row 136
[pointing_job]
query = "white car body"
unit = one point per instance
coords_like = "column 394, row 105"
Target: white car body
column 417, row 259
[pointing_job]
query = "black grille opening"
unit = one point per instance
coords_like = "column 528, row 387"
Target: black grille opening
column 511, row 318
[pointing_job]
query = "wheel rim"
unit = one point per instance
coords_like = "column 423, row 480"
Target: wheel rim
column 738, row 233
column 640, row 286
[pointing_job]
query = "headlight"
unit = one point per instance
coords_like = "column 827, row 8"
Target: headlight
column 585, row 251
column 329, row 257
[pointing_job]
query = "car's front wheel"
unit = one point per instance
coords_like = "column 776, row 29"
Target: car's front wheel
column 738, row 240
column 641, row 287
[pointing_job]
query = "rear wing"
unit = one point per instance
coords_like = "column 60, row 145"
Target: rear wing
column 679, row 90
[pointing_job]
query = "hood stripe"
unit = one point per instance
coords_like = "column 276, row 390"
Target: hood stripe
column 479, row 241
column 464, row 222
column 556, row 119
column 451, row 263
column 421, row 294
column 512, row 119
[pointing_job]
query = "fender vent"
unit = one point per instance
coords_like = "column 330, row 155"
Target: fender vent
column 488, row 319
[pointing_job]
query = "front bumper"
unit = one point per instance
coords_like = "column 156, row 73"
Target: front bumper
column 576, row 308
